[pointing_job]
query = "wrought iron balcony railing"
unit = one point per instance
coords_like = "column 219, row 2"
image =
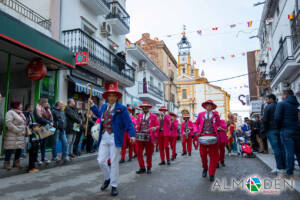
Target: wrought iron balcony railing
column 78, row 41
column 295, row 28
column 283, row 54
column 27, row 12
column 117, row 11
column 149, row 88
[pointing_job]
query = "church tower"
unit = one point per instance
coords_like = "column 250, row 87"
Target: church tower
column 184, row 55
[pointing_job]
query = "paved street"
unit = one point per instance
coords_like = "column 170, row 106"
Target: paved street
column 181, row 180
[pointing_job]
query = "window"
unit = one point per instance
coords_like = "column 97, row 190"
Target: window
column 184, row 95
column 151, row 80
column 159, row 85
column 173, row 98
column 192, row 72
column 183, row 70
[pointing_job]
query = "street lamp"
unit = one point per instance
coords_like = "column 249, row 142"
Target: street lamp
column 259, row 3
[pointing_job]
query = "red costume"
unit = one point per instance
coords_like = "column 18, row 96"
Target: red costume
column 164, row 138
column 222, row 140
column 127, row 143
column 187, row 128
column 208, row 124
column 196, row 137
column 174, row 135
column 146, row 123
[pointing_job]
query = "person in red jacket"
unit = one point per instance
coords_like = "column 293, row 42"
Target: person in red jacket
column 208, row 123
column 164, row 135
column 127, row 142
column 196, row 137
column 174, row 134
column 187, row 132
column 222, row 141
column 146, row 123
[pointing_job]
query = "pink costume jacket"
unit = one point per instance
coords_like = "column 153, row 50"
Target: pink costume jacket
column 191, row 126
column 200, row 121
column 195, row 128
column 153, row 123
column 167, row 125
column 223, row 132
column 134, row 123
column 174, row 131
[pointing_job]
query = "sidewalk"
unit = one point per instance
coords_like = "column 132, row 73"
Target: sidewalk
column 269, row 161
column 13, row 172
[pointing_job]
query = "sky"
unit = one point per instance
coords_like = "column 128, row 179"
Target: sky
column 162, row 18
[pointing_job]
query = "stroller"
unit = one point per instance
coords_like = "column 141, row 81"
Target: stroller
column 244, row 145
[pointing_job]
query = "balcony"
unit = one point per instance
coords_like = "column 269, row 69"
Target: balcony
column 149, row 92
column 283, row 65
column 99, row 7
column 295, row 28
column 27, row 12
column 101, row 60
column 118, row 18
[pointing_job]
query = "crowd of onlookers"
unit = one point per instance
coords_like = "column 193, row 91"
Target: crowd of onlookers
column 61, row 122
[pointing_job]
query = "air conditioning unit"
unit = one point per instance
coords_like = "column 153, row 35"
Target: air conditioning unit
column 105, row 29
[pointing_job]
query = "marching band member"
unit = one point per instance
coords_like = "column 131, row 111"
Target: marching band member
column 222, row 142
column 208, row 123
column 146, row 123
column 196, row 136
column 187, row 132
column 174, row 133
column 164, row 135
column 131, row 146
column 115, row 120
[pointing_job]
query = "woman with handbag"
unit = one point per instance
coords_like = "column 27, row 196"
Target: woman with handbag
column 14, row 140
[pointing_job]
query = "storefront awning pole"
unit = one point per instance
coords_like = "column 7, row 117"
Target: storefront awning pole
column 37, row 92
column 6, row 100
column 56, row 86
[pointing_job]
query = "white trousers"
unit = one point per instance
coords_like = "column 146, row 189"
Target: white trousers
column 108, row 150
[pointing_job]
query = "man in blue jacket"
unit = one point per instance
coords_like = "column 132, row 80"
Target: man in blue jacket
column 286, row 117
column 115, row 119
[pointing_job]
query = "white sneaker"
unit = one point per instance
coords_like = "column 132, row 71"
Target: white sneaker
column 274, row 171
column 229, row 154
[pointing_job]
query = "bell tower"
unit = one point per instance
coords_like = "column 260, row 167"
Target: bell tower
column 184, row 54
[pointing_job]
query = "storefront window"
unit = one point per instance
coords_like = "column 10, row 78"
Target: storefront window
column 48, row 87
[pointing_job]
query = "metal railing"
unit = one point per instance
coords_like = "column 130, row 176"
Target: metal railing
column 149, row 88
column 283, row 54
column 117, row 11
column 79, row 41
column 295, row 28
column 27, row 12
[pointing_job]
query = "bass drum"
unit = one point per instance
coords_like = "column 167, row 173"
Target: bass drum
column 95, row 132
column 207, row 140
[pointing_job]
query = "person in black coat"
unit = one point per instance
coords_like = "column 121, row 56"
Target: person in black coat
column 73, row 125
column 33, row 147
column 28, row 114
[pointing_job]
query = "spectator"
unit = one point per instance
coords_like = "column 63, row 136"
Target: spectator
column 256, row 132
column 286, row 117
column 273, row 133
column 29, row 120
column 254, row 135
column 60, row 123
column 14, row 140
column 88, row 142
column 33, row 147
column 73, row 121
column 43, row 117
column 246, row 128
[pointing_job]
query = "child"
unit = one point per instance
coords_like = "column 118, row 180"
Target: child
column 33, row 147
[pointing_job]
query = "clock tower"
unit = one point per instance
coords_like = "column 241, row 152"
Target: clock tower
column 184, row 55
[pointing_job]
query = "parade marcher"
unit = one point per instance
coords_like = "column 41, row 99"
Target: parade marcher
column 147, row 123
column 127, row 143
column 196, row 137
column 230, row 133
column 208, row 124
column 187, row 133
column 164, row 136
column 222, row 141
column 115, row 119
column 174, row 133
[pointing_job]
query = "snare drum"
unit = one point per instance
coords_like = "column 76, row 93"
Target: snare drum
column 143, row 137
column 207, row 140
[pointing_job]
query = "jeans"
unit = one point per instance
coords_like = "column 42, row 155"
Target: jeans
column 291, row 142
column 9, row 152
column 71, row 140
column 277, row 146
column 43, row 148
column 77, row 142
column 60, row 134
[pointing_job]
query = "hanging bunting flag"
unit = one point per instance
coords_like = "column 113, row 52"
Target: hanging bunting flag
column 203, row 60
column 243, row 54
column 127, row 43
column 223, row 57
column 214, row 59
column 215, row 28
column 232, row 25
column 256, row 51
column 270, row 49
column 169, row 35
column 232, row 56
column 291, row 16
column 250, row 23
column 199, row 32
column 156, row 39
column 194, row 62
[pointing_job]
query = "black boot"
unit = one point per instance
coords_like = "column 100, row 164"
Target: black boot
column 149, row 171
column 175, row 155
column 212, row 178
column 130, row 159
column 162, row 163
column 172, row 158
column 204, row 173
column 223, row 164
column 105, row 184
column 121, row 161
column 168, row 162
column 190, row 154
column 183, row 154
column 141, row 171
column 114, row 191
column 218, row 166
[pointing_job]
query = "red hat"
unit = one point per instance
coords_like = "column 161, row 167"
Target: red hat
column 163, row 108
column 145, row 104
column 111, row 87
column 214, row 106
column 186, row 116
column 173, row 114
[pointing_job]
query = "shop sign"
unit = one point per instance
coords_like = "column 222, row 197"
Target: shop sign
column 82, row 58
column 36, row 70
column 256, row 106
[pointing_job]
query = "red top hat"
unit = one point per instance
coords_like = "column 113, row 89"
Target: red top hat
column 214, row 106
column 186, row 116
column 163, row 108
column 111, row 87
column 145, row 104
column 173, row 114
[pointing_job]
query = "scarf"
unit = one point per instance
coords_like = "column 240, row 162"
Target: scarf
column 20, row 113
